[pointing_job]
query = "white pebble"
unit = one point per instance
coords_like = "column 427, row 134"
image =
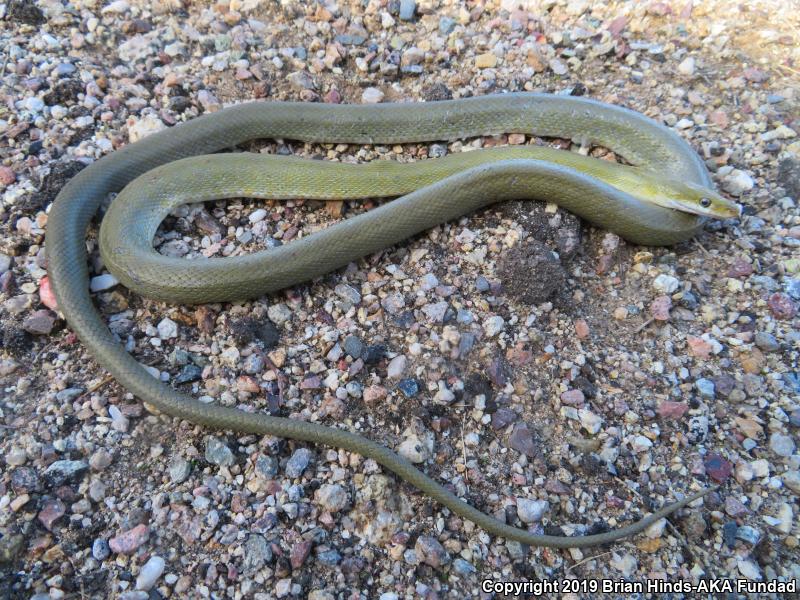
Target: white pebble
column 396, row 366
column 102, row 282
column 257, row 215
column 372, row 95
column 167, row 329
column 151, row 571
column 666, row 284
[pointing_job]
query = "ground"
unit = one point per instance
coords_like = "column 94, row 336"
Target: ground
column 550, row 373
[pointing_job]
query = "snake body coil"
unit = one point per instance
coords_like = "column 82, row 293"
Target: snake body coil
column 127, row 231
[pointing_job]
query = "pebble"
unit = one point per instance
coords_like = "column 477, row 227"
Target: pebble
column 686, row 66
column 179, row 469
column 100, row 549
column 666, row 284
column 167, row 329
column 218, row 453
column 149, row 573
column 140, row 128
column 431, row 552
column 65, row 471
column 332, row 497
column 407, row 10
column 521, row 440
column 705, row 388
column 52, row 511
column 348, row 293
column 660, row 308
column 279, row 313
column 257, row 552
column 717, row 467
column 40, row 322
column 782, row 445
column 102, row 282
column 412, row 450
column 531, row 511
column 396, row 367
column 130, row 541
column 494, row 325
column 767, row 342
column 737, row 182
column 298, row 462
column 372, row 95
column 408, row 387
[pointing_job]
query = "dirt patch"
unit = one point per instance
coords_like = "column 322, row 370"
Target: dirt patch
column 531, row 274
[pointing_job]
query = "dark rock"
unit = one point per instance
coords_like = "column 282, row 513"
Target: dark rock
column 717, row 467
column 353, row 346
column 521, row 440
column 188, row 374
column 25, row 11
column 789, row 176
column 409, row 387
column 729, row 533
column 65, row 471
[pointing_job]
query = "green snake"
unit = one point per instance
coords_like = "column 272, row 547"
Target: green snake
column 173, row 167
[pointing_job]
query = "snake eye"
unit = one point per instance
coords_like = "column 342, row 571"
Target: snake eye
column 705, row 202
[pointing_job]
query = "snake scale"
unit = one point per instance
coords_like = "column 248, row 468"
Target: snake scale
column 172, row 167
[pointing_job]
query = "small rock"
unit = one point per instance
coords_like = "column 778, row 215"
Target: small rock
column 348, row 293
column 660, row 308
column 749, row 570
column 141, row 128
column 494, row 325
column 257, row 552
column 781, row 306
column 298, row 462
column 7, row 177
column 767, row 342
column 332, row 497
column 487, row 60
column 686, row 66
column 167, row 329
column 408, row 387
column 372, row 95
column 407, row 10
column 40, row 322
column 299, row 553
column 706, row 388
column 217, row 453
column 279, row 313
column 100, row 549
column 431, row 552
column 65, row 471
column 666, row 284
column 737, row 182
column 590, row 421
column 150, row 572
column 129, row 542
column 396, row 367
column 521, row 440
column 717, row 467
column 782, row 445
column 412, row 450
column 672, row 410
column 179, row 469
column 102, row 282
column 531, row 511
column 51, row 512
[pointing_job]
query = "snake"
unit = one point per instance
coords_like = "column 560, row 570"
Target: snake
column 660, row 196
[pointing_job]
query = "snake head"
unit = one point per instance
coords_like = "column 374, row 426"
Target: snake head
column 693, row 198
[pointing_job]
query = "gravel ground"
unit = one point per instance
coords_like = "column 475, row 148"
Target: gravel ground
column 552, row 374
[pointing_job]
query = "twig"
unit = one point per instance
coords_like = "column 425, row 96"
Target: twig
column 643, row 325
column 464, row 450
column 93, row 388
column 703, row 248
column 585, row 560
